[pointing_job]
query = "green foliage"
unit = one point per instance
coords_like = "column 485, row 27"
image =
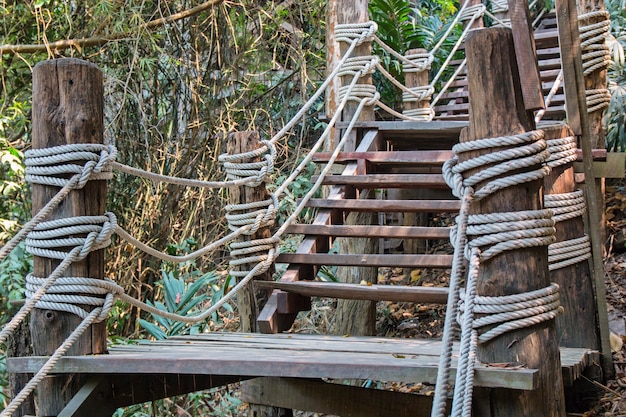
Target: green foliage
column 182, row 295
column 405, row 25
column 615, row 116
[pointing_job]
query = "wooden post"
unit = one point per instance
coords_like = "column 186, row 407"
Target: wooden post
column 333, row 56
column 577, row 326
column 596, row 80
column 356, row 317
column 497, row 109
column 576, row 109
column 412, row 80
column 247, row 301
column 67, row 109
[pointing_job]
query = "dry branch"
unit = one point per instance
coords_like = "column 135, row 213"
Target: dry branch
column 101, row 40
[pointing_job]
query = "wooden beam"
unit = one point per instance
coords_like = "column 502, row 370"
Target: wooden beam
column 368, row 260
column 420, row 295
column 334, row 399
column 397, row 232
column 423, row 206
column 386, row 180
column 389, row 157
column 526, row 55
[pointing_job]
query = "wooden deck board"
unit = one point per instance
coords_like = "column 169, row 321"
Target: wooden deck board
column 386, row 180
column 397, row 232
column 292, row 355
column 398, row 261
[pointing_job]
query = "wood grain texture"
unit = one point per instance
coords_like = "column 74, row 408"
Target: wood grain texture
column 497, row 109
column 67, row 109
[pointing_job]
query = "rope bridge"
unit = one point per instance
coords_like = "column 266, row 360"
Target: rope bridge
column 476, row 238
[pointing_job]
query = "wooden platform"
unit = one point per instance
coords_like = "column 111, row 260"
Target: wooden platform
column 294, row 355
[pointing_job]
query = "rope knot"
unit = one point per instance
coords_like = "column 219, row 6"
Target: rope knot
column 530, row 150
column 418, row 62
column 361, row 32
column 70, row 164
column 71, row 238
column 473, row 12
column 238, row 166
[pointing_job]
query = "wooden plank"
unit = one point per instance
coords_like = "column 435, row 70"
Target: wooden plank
column 418, row 130
column 334, row 399
column 398, row 232
column 402, row 361
column 420, row 295
column 416, row 206
column 387, row 180
column 524, row 45
column 400, row 261
column 303, row 356
column 389, row 157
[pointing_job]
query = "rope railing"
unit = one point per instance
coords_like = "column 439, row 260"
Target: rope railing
column 70, row 167
column 72, row 239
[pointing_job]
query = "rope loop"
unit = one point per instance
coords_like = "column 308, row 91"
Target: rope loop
column 568, row 252
column 473, row 12
column 69, row 293
column 511, row 312
column 418, row 62
column 360, row 65
column 239, row 167
column 425, row 114
column 595, row 53
column 499, row 6
column 56, row 239
column 360, row 92
column 562, row 151
column 361, row 32
column 253, row 251
column 495, row 233
column 258, row 213
column 530, row 151
column 59, row 165
column 566, row 206
column 417, row 94
column 597, row 99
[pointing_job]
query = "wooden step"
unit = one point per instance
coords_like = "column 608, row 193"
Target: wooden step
column 296, row 355
column 412, row 206
column 386, row 180
column 396, row 232
column 389, row 157
column 419, row 295
column 434, row 131
column 373, row 260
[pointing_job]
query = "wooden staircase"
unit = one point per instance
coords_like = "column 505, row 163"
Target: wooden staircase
column 391, row 156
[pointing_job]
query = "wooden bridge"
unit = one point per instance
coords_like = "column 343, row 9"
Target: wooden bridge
column 290, row 370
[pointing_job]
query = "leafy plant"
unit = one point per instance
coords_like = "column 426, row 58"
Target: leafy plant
column 615, row 116
column 181, row 298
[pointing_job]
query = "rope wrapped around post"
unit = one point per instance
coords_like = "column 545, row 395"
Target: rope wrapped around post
column 596, row 55
column 480, row 237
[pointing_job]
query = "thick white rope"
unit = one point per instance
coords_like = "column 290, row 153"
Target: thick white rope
column 567, row 206
column 562, row 151
column 485, row 236
column 548, row 100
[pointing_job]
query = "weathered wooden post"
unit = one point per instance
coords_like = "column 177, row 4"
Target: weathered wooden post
column 577, row 326
column 576, row 109
column 67, row 109
column 497, row 109
column 247, row 300
column 416, row 79
column 353, row 316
